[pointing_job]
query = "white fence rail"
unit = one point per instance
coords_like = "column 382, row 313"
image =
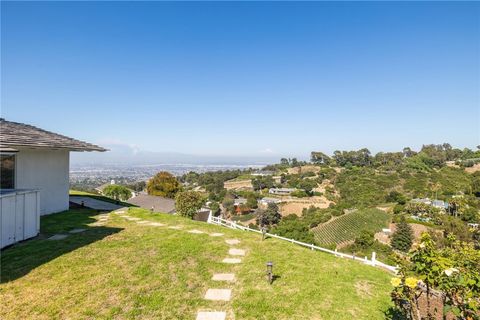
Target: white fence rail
column 233, row 225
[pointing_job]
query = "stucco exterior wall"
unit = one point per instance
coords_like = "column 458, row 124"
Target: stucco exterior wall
column 45, row 170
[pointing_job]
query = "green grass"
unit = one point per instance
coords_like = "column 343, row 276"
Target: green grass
column 349, row 226
column 99, row 197
column 124, row 270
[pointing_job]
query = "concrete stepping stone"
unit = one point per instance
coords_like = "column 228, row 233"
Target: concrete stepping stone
column 218, row 294
column 223, row 277
column 156, row 224
column 175, row 227
column 58, row 237
column 133, row 219
column 231, row 260
column 216, row 234
column 232, row 241
column 120, row 211
column 236, row 252
column 76, row 230
column 195, row 231
column 98, row 224
column 142, row 222
column 211, row 315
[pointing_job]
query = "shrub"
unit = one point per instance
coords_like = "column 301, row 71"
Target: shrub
column 299, row 194
column 117, row 192
column 187, row 203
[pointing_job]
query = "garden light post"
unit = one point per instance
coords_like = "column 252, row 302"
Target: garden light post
column 270, row 272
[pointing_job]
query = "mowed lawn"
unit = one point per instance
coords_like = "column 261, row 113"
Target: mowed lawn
column 125, row 270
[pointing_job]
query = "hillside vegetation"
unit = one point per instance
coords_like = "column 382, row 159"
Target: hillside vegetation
column 350, row 226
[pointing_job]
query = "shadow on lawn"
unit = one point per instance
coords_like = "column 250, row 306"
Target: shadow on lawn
column 18, row 260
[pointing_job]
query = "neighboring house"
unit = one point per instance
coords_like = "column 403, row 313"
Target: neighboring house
column 239, row 201
column 434, row 203
column 281, row 191
column 157, row 203
column 34, row 177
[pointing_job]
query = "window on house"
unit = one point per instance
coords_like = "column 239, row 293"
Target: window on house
column 7, row 171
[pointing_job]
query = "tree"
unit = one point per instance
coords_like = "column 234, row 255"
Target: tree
column 163, row 184
column 402, row 238
column 117, row 192
column 252, row 201
column 187, row 203
column 319, row 157
column 294, row 228
column 263, row 182
column 138, row 186
column 365, row 240
column 268, row 217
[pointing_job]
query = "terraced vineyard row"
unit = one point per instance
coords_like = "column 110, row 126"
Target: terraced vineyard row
column 349, row 226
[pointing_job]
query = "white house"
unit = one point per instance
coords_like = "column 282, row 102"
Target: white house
column 281, row 191
column 34, row 177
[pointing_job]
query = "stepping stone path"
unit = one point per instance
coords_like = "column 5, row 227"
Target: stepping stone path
column 223, row 277
column 211, row 315
column 175, row 227
column 58, row 237
column 231, row 260
column 76, row 230
column 156, row 224
column 216, row 234
column 195, row 231
column 236, row 252
column 218, row 294
column 142, row 222
column 133, row 219
column 232, row 241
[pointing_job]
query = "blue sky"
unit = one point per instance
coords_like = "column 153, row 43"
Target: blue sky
column 252, row 78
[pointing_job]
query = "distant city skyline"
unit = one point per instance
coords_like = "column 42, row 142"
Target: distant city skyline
column 253, row 80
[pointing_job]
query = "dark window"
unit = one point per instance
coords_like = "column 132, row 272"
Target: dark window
column 7, row 172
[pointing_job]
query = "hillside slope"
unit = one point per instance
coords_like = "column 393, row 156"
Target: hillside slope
column 349, row 226
column 127, row 270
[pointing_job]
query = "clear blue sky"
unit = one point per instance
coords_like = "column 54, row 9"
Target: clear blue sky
column 245, row 78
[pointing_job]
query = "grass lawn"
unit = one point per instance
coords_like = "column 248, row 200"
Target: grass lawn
column 125, row 270
column 99, row 197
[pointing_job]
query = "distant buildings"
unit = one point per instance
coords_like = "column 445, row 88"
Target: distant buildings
column 434, row 203
column 281, row 191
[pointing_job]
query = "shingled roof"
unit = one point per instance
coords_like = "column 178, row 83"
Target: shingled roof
column 14, row 134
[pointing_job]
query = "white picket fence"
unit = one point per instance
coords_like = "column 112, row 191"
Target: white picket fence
column 372, row 262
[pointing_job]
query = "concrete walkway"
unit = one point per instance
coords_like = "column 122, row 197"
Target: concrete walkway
column 94, row 203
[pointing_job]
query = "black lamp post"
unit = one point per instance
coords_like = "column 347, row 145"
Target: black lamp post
column 270, row 272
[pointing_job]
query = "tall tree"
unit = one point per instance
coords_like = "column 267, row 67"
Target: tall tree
column 163, row 184
column 268, row 217
column 402, row 238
